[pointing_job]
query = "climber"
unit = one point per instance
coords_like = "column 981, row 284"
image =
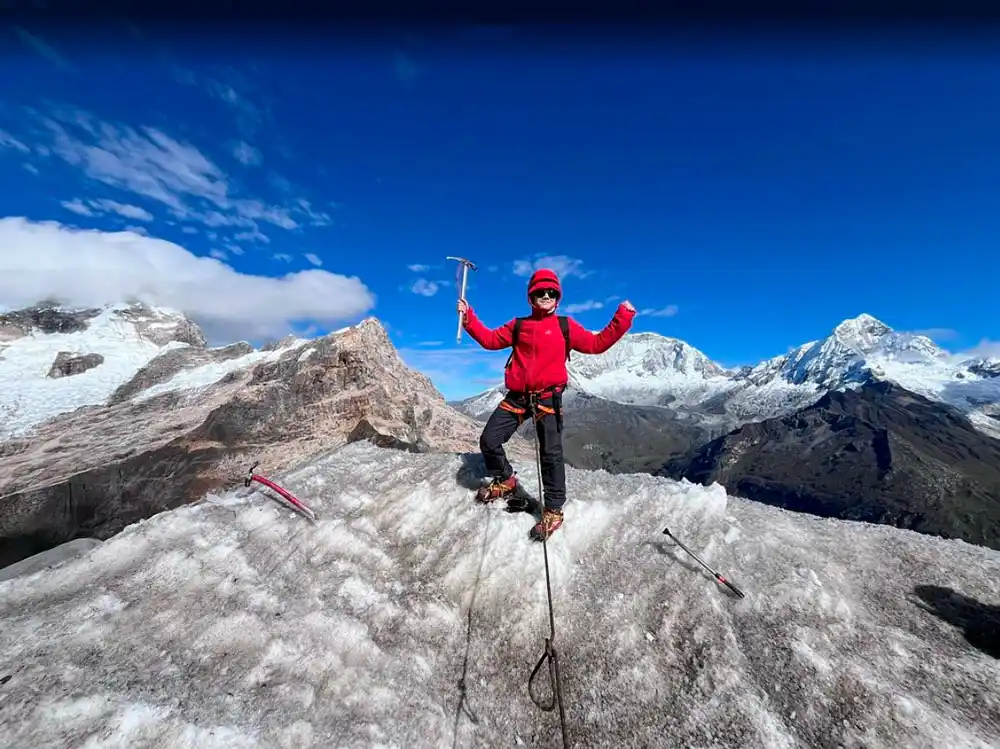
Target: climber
column 541, row 344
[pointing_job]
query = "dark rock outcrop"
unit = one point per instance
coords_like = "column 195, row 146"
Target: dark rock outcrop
column 67, row 364
column 45, row 319
column 986, row 368
column 621, row 438
column 877, row 453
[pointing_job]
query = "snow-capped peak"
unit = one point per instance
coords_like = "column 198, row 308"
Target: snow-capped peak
column 641, row 366
column 862, row 333
column 649, row 354
column 856, row 350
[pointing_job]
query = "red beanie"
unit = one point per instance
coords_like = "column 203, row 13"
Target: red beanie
column 543, row 278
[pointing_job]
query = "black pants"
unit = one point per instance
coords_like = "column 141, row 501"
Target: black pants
column 501, row 427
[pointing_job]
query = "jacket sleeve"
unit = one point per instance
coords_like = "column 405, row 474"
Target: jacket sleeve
column 582, row 340
column 492, row 339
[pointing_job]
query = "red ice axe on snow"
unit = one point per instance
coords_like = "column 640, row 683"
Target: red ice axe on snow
column 292, row 500
column 465, row 265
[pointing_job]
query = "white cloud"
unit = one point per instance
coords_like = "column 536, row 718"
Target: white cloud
column 138, row 230
column 77, row 206
column 249, row 116
column 669, row 311
column 418, row 268
column 283, row 256
column 316, row 218
column 219, row 254
column 150, row 163
column 247, row 236
column 95, row 207
column 313, row 258
column 563, row 265
column 91, row 268
column 31, row 168
column 572, row 309
column 423, row 287
column 123, row 209
column 985, row 349
column 246, row 154
column 9, row 141
column 431, row 343
column 938, row 334
column 189, row 230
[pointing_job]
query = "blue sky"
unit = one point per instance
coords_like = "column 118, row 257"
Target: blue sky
column 745, row 197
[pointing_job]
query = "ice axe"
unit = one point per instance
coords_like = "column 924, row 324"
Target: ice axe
column 466, row 264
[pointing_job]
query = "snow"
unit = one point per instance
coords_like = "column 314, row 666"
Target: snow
column 234, row 622
column 208, row 374
column 28, row 397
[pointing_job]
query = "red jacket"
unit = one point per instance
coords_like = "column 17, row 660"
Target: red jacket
column 539, row 360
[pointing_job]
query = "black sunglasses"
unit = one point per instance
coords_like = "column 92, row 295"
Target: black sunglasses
column 550, row 293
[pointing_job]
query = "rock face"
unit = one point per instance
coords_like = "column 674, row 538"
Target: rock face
column 620, row 438
column 46, row 319
column 193, row 419
column 67, row 365
column 877, row 453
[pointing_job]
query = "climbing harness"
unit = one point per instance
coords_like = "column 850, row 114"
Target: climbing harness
column 540, row 409
column 550, row 648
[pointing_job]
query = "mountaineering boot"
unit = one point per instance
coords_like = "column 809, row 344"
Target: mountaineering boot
column 551, row 521
column 497, row 489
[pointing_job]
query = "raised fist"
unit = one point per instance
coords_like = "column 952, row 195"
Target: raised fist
column 628, row 305
column 463, row 307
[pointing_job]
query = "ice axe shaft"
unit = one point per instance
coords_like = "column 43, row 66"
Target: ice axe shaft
column 715, row 574
column 466, row 264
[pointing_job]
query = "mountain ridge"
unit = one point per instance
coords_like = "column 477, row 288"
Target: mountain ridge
column 877, row 453
column 857, row 351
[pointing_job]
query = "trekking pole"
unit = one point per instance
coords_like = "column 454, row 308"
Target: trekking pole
column 465, row 265
column 550, row 647
column 717, row 576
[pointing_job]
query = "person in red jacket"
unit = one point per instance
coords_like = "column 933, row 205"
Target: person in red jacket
column 537, row 365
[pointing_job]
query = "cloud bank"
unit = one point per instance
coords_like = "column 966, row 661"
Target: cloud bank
column 91, row 268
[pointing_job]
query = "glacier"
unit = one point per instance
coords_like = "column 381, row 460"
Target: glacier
column 409, row 616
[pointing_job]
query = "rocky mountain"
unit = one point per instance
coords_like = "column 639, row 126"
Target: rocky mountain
column 618, row 438
column 876, row 453
column 143, row 416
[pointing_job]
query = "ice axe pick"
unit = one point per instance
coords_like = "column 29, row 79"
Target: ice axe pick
column 465, row 265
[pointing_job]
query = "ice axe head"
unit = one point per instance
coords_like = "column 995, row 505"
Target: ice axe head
column 249, row 478
column 466, row 264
